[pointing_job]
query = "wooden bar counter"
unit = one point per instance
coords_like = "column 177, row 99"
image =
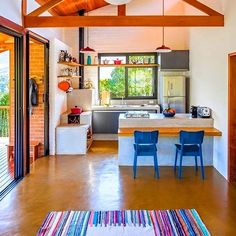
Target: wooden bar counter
column 170, row 132
column 169, row 129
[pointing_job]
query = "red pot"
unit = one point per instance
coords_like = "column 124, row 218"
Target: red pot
column 76, row 110
column 117, row 61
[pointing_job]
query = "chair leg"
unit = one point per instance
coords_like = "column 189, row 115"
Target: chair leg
column 202, row 166
column 135, row 165
column 176, row 157
column 156, row 166
column 180, row 165
column 196, row 164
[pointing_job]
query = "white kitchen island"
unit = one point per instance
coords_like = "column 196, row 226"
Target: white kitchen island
column 169, row 129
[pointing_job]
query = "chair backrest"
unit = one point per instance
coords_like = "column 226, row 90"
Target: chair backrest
column 146, row 137
column 187, row 137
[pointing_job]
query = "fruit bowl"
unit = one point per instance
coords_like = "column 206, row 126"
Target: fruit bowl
column 169, row 112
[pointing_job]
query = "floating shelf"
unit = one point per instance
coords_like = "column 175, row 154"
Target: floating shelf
column 73, row 64
column 122, row 65
column 69, row 77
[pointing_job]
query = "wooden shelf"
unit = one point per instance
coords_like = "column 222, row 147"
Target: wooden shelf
column 122, row 65
column 74, row 64
column 65, row 63
column 69, row 77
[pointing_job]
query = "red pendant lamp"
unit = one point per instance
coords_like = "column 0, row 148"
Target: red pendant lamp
column 87, row 49
column 163, row 48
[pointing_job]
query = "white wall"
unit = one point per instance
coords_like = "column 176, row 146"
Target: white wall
column 57, row 98
column 138, row 39
column 209, row 49
column 135, row 39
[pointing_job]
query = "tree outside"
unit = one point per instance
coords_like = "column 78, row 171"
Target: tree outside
column 139, row 79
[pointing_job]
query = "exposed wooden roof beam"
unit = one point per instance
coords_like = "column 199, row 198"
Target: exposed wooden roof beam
column 123, row 21
column 23, row 10
column 122, row 10
column 202, row 7
column 49, row 5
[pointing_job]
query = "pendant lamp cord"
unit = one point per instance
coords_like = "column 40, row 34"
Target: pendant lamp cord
column 87, row 26
column 163, row 28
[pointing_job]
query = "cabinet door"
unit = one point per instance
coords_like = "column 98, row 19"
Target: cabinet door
column 173, row 86
column 175, row 60
column 106, row 122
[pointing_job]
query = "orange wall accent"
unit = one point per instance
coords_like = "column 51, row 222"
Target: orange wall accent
column 37, row 116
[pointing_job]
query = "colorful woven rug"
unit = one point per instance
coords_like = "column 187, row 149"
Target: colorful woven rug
column 124, row 223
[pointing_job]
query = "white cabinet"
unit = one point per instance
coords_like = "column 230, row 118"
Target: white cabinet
column 71, row 139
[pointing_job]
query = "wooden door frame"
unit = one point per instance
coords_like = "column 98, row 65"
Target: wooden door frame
column 230, row 80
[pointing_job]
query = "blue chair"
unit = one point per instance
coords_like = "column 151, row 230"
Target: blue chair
column 190, row 145
column 145, row 145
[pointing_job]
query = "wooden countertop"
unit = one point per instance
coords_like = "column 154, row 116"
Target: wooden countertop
column 170, row 132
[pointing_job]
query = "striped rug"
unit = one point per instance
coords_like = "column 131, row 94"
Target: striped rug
column 124, row 223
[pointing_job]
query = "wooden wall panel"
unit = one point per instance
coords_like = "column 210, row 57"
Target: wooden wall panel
column 232, row 119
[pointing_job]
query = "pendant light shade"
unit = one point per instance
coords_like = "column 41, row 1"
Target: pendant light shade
column 87, row 50
column 118, row 2
column 163, row 48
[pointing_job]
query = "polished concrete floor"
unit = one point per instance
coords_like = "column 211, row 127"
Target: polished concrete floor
column 96, row 182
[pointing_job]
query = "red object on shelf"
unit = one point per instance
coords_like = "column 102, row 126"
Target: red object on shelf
column 117, row 61
column 64, row 85
column 76, row 110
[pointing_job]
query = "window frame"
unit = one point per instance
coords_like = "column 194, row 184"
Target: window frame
column 127, row 55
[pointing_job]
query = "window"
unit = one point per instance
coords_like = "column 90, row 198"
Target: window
column 129, row 82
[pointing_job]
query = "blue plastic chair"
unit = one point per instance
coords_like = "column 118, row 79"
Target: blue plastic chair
column 190, row 145
column 145, row 145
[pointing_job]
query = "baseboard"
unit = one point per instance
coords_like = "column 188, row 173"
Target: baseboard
column 105, row 137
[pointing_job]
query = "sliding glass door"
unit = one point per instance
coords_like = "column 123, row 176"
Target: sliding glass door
column 38, row 105
column 11, row 108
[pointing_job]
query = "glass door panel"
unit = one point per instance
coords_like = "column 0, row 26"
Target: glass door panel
column 7, row 109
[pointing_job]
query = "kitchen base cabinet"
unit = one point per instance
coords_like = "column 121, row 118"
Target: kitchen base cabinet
column 107, row 122
column 73, row 139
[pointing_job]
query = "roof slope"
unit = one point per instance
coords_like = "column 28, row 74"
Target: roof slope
column 72, row 7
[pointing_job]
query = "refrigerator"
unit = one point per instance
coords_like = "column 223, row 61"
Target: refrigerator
column 172, row 92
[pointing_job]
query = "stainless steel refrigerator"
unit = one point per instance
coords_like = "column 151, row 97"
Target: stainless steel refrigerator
column 172, row 92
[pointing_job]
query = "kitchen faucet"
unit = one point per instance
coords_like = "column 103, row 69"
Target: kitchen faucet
column 122, row 101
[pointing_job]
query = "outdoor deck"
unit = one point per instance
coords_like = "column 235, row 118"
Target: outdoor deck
column 6, row 167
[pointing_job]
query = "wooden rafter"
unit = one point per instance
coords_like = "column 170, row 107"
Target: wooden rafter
column 213, row 18
column 52, row 11
column 122, row 10
column 123, row 21
column 202, row 7
column 47, row 6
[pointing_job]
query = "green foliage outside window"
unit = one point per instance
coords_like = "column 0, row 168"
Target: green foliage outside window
column 115, row 84
column 123, row 82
